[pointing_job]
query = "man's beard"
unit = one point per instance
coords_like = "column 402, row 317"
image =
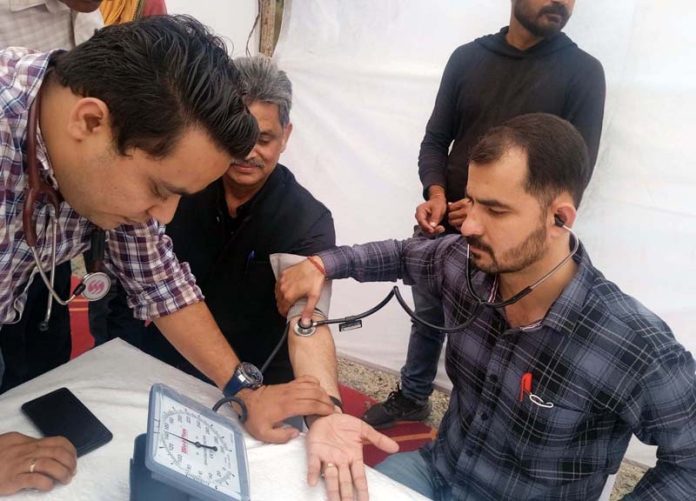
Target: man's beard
column 530, row 21
column 514, row 260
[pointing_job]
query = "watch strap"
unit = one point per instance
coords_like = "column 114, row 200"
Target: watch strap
column 337, row 402
column 233, row 386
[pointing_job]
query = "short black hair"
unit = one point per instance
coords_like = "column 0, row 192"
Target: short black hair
column 159, row 75
column 557, row 156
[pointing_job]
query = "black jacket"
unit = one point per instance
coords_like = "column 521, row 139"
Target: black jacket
column 229, row 258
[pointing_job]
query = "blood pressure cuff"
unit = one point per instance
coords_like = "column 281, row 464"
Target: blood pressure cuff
column 279, row 262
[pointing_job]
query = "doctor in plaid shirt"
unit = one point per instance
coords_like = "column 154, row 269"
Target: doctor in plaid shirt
column 603, row 367
column 130, row 121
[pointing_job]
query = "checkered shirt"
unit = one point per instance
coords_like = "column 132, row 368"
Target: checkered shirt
column 610, row 367
column 140, row 256
column 44, row 24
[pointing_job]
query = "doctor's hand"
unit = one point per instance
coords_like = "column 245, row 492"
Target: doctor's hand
column 457, row 212
column 34, row 463
column 429, row 214
column 335, row 451
column 299, row 281
column 268, row 406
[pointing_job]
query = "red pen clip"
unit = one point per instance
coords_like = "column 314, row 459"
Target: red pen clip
column 525, row 385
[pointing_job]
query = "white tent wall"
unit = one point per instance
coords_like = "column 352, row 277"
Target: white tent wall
column 232, row 20
column 365, row 75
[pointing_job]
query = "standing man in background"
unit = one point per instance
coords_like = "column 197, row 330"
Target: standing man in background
column 48, row 24
column 529, row 66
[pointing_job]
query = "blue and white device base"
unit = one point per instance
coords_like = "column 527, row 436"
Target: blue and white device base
column 193, row 449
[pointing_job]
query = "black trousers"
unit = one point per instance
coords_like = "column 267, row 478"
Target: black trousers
column 28, row 352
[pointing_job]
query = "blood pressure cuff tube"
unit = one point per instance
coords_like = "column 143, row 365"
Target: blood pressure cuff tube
column 279, row 262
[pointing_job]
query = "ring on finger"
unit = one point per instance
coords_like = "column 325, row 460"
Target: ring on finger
column 326, row 466
column 32, row 465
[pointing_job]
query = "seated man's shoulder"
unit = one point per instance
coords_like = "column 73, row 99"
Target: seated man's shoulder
column 294, row 191
column 624, row 324
column 294, row 203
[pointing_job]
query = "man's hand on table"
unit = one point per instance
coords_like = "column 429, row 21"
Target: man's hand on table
column 335, row 449
column 34, row 463
column 269, row 405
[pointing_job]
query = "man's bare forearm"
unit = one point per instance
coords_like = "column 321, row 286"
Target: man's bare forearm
column 315, row 356
column 194, row 333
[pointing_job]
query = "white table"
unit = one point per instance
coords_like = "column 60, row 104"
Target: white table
column 114, row 381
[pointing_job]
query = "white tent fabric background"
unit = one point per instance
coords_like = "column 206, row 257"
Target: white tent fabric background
column 365, row 75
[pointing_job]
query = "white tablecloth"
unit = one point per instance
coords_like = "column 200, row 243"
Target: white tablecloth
column 114, row 381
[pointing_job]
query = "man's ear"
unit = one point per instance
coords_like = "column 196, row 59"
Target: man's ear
column 287, row 130
column 88, row 117
column 562, row 210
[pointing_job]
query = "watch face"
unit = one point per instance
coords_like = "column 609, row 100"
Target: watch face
column 252, row 374
column 195, row 446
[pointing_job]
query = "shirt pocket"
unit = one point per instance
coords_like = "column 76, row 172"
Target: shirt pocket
column 556, row 444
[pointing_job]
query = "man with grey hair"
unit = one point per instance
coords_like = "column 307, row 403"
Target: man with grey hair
column 226, row 234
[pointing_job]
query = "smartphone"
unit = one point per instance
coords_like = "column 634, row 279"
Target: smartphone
column 60, row 413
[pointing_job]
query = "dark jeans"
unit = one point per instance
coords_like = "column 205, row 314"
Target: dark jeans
column 27, row 351
column 413, row 471
column 424, row 347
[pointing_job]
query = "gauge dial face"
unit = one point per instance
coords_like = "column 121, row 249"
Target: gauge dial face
column 195, row 446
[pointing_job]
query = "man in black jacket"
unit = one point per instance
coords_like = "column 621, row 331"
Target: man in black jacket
column 529, row 66
column 226, row 234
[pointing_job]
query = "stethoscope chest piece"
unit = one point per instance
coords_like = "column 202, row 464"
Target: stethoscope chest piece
column 303, row 331
column 96, row 285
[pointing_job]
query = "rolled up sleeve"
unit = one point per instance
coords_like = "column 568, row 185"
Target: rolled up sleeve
column 142, row 258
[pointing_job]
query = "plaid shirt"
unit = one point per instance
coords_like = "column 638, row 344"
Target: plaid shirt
column 140, row 256
column 610, row 367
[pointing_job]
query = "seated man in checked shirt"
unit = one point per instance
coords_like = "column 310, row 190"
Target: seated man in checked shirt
column 547, row 391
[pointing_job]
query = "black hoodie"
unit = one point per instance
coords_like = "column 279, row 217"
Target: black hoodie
column 488, row 81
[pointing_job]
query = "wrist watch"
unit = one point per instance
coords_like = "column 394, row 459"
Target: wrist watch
column 246, row 375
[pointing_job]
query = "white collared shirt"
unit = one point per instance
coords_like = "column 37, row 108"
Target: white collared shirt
column 44, row 24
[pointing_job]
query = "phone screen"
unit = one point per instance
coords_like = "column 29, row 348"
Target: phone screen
column 60, row 413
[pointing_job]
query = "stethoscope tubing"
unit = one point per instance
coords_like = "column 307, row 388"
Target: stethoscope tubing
column 527, row 290
column 479, row 301
column 36, row 187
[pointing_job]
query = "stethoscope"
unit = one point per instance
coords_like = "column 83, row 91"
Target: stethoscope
column 94, row 285
column 355, row 321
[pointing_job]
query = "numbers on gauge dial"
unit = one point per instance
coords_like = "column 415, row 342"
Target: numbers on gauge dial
column 197, row 447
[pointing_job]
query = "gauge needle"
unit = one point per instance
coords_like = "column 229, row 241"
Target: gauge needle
column 197, row 444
